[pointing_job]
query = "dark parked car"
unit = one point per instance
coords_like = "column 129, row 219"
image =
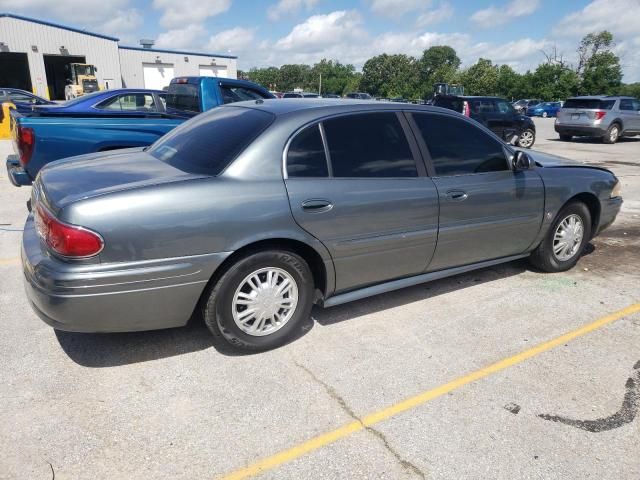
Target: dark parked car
column 544, row 109
column 359, row 96
column 23, row 100
column 253, row 212
column 605, row 117
column 124, row 101
column 300, row 95
column 495, row 113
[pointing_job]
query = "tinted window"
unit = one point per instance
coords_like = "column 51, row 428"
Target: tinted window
column 504, row 107
column 626, row 104
column 184, row 96
column 478, row 153
column 482, row 106
column 291, row 95
column 589, row 104
column 231, row 94
column 455, row 104
column 306, row 156
column 20, row 97
column 369, row 145
column 209, row 142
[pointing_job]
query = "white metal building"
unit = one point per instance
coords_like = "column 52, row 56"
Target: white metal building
column 34, row 55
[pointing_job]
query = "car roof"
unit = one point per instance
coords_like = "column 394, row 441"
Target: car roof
column 299, row 105
column 599, row 97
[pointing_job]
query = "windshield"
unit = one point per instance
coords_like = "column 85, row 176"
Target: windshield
column 85, row 70
column 209, row 142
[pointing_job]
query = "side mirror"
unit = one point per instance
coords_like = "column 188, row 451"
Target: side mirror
column 522, row 161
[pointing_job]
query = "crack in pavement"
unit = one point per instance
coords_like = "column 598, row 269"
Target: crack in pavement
column 626, row 414
column 405, row 464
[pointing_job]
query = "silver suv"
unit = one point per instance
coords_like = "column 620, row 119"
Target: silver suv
column 607, row 117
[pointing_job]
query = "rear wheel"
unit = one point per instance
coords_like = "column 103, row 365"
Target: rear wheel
column 566, row 138
column 527, row 138
column 612, row 135
column 261, row 301
column 565, row 240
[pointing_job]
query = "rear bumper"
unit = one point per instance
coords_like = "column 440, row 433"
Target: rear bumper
column 609, row 211
column 81, row 297
column 17, row 174
column 580, row 131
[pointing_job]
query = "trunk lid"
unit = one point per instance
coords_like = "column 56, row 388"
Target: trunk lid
column 86, row 176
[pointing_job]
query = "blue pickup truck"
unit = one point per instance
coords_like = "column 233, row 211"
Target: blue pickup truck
column 40, row 138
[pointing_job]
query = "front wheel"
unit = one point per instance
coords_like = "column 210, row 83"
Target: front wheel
column 527, row 138
column 565, row 240
column 261, row 301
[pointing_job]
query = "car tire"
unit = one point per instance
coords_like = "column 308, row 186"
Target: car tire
column 545, row 114
column 612, row 135
column 527, row 138
column 229, row 298
column 546, row 256
column 566, row 138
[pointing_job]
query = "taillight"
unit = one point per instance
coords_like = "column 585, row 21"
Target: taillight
column 64, row 239
column 600, row 114
column 466, row 111
column 25, row 140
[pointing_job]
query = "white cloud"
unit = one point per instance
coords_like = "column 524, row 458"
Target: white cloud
column 123, row 21
column 621, row 17
column 288, row 7
column 437, row 15
column 188, row 37
column 178, row 13
column 232, row 40
column 492, row 16
column 82, row 11
column 397, row 8
column 321, row 31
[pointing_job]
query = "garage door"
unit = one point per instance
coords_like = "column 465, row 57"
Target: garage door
column 157, row 75
column 213, row 71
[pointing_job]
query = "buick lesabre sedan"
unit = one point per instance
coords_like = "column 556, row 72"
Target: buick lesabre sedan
column 254, row 212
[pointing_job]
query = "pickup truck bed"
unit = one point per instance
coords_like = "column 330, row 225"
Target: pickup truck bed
column 55, row 137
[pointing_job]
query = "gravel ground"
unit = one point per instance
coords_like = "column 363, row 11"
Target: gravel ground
column 171, row 404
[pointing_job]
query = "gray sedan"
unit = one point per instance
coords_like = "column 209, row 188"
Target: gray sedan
column 253, row 212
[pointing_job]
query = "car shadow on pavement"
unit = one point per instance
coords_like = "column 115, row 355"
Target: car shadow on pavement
column 405, row 296
column 593, row 140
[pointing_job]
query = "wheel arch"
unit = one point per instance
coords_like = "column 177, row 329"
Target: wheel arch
column 593, row 204
column 322, row 275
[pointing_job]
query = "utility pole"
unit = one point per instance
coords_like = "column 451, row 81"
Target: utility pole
column 320, row 87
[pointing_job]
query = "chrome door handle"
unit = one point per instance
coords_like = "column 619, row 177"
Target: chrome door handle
column 457, row 195
column 317, row 205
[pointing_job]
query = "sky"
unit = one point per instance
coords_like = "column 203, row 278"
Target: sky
column 275, row 32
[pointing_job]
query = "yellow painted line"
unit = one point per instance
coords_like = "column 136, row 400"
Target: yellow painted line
column 325, row 439
column 10, row 261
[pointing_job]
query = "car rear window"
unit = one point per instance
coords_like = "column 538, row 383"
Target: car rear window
column 184, row 96
column 450, row 103
column 209, row 142
column 589, row 104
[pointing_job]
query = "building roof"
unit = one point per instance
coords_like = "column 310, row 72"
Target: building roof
column 106, row 37
column 179, row 52
column 57, row 25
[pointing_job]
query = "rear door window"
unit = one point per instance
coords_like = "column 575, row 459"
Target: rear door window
column 482, row 106
column 478, row 153
column 504, row 107
column 132, row 102
column 369, row 145
column 306, row 156
column 209, row 142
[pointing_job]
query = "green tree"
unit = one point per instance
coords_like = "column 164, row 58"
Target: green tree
column 554, row 82
column 335, row 76
column 390, row 76
column 509, row 82
column 437, row 64
column 598, row 67
column 481, row 78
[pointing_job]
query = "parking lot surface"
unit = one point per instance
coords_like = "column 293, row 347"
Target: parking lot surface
column 395, row 386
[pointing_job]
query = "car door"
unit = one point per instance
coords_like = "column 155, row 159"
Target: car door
column 487, row 210
column 356, row 183
column 630, row 114
column 508, row 122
